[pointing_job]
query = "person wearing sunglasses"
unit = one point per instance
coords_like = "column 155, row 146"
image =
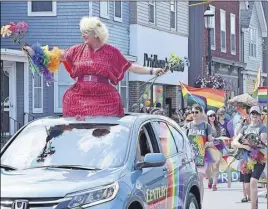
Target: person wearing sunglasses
column 198, row 129
column 221, row 113
column 216, row 132
column 251, row 178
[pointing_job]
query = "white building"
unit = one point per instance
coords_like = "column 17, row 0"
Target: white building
column 158, row 29
column 254, row 29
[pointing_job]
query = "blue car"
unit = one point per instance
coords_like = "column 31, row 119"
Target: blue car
column 138, row 161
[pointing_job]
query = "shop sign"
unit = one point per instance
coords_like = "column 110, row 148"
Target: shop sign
column 153, row 61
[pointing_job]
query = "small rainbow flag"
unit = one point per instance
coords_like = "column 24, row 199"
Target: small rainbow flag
column 242, row 112
column 213, row 98
column 258, row 83
column 262, row 95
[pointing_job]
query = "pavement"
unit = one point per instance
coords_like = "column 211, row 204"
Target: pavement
column 229, row 198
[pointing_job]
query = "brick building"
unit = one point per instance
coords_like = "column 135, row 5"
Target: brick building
column 225, row 44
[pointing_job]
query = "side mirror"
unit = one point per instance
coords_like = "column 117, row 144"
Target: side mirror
column 152, row 160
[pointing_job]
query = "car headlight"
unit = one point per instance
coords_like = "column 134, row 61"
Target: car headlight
column 94, row 196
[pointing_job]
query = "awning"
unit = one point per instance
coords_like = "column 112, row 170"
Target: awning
column 229, row 62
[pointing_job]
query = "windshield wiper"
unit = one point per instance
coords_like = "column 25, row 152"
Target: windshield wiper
column 76, row 167
column 8, row 167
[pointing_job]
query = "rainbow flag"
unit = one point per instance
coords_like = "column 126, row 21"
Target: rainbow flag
column 192, row 99
column 213, row 98
column 242, row 112
column 258, row 83
column 262, row 95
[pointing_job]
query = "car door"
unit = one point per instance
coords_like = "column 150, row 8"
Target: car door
column 174, row 164
column 181, row 168
column 151, row 181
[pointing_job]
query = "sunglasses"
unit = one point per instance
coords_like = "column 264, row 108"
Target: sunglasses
column 254, row 113
column 195, row 112
column 213, row 115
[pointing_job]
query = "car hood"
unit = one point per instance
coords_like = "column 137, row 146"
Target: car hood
column 53, row 182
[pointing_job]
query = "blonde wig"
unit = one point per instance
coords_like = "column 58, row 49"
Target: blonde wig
column 93, row 26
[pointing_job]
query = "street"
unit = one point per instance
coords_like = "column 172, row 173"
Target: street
column 228, row 198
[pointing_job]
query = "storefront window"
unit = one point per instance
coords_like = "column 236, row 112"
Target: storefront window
column 158, row 95
column 146, row 95
column 151, row 95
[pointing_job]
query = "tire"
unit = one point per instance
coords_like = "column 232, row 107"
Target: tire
column 192, row 202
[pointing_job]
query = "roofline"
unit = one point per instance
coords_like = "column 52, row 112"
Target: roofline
column 261, row 17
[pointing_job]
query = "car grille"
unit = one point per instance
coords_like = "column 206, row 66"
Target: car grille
column 34, row 203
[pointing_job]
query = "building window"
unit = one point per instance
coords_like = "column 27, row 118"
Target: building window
column 158, row 94
column 122, row 88
column 252, row 42
column 173, row 15
column 212, row 30
column 118, row 11
column 104, row 9
column 37, row 95
column 152, row 95
column 223, row 31
column 233, row 37
column 42, row 8
column 146, row 95
column 63, row 81
column 152, row 12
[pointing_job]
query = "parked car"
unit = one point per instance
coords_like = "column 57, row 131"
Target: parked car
column 134, row 162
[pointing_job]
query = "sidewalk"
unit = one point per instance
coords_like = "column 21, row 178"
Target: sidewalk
column 228, row 198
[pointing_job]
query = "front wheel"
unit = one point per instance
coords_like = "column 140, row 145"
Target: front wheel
column 192, row 202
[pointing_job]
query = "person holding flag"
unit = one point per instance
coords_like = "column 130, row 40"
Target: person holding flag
column 251, row 175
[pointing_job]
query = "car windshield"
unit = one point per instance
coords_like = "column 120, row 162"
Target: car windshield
column 91, row 145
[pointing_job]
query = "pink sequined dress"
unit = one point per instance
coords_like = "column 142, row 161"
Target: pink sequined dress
column 90, row 98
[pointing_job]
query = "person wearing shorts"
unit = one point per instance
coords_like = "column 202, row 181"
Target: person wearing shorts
column 201, row 129
column 255, row 127
column 245, row 178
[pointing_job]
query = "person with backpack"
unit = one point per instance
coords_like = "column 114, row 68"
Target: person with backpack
column 242, row 142
column 200, row 136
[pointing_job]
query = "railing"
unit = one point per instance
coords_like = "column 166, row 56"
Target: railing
column 29, row 116
column 9, row 126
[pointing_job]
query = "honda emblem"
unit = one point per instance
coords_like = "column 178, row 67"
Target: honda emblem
column 20, row 204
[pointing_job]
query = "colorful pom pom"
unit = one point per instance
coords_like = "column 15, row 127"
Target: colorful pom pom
column 43, row 61
column 54, row 58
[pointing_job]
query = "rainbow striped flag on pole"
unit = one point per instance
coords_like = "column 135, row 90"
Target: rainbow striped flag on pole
column 213, row 98
column 262, row 95
column 258, row 83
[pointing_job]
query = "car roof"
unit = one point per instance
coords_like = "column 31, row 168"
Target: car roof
column 127, row 120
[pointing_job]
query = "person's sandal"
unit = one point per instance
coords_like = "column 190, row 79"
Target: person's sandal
column 209, row 186
column 244, row 199
column 214, row 188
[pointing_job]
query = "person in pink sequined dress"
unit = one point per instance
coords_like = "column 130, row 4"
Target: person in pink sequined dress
column 98, row 67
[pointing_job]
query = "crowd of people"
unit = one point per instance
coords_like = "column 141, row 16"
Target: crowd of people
column 213, row 125
column 97, row 67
